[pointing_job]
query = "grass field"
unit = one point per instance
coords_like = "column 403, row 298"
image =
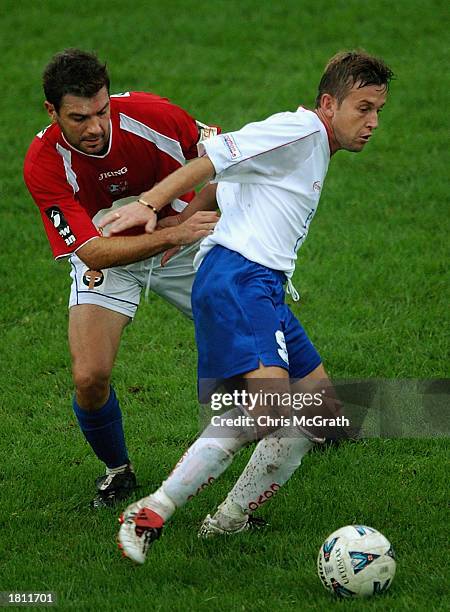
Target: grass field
column 373, row 276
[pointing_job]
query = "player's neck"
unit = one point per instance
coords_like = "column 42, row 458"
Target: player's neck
column 334, row 146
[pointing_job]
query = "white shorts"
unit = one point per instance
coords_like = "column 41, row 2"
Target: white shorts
column 120, row 288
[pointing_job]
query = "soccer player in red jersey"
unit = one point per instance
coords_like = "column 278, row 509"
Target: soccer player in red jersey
column 101, row 151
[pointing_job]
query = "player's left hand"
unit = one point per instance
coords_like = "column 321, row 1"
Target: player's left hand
column 130, row 215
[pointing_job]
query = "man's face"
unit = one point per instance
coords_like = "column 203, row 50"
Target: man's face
column 84, row 121
column 354, row 120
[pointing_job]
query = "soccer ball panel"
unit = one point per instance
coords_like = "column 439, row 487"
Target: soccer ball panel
column 356, row 561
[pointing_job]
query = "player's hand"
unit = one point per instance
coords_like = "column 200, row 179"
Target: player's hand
column 170, row 221
column 168, row 255
column 130, row 215
column 200, row 225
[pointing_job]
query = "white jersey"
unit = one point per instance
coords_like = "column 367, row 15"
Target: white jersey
column 270, row 176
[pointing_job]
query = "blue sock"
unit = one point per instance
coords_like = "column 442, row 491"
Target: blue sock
column 104, row 432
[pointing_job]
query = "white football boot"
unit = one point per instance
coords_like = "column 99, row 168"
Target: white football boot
column 140, row 527
column 234, row 521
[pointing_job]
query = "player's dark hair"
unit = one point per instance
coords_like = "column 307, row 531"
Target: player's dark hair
column 74, row 72
column 347, row 68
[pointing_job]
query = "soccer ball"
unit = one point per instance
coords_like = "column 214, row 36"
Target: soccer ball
column 356, row 561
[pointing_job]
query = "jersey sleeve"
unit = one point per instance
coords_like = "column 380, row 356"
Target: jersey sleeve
column 261, row 152
column 66, row 223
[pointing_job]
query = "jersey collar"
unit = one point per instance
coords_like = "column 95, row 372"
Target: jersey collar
column 92, row 155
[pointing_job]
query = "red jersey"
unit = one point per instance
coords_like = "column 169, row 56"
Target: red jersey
column 150, row 138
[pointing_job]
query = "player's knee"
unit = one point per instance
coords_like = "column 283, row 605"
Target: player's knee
column 92, row 386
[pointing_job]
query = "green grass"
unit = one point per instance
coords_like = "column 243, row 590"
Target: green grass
column 373, row 276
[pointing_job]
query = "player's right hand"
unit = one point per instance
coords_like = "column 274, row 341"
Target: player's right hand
column 200, row 225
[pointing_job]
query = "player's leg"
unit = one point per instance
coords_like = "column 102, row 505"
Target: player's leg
column 94, row 337
column 200, row 466
column 277, row 456
column 101, row 305
column 217, row 299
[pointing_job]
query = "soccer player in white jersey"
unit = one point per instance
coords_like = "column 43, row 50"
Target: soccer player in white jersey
column 269, row 176
column 100, row 149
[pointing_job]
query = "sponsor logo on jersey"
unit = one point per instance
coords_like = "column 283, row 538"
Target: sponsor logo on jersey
column 93, row 278
column 232, row 146
column 317, row 186
column 59, row 222
column 111, row 173
column 116, row 188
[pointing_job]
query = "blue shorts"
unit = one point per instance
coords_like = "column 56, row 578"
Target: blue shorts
column 241, row 320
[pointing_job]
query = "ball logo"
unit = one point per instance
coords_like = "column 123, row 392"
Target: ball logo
column 363, row 530
column 360, row 560
column 93, row 278
column 340, row 590
column 328, row 547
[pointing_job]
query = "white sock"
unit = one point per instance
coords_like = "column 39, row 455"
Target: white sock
column 160, row 503
column 200, row 466
column 272, row 463
column 118, row 470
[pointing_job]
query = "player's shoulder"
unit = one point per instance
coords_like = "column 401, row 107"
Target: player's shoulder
column 42, row 148
column 302, row 118
column 137, row 109
column 140, row 102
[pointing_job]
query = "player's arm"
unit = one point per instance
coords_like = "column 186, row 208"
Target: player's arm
column 101, row 253
column 204, row 200
column 182, row 180
column 70, row 229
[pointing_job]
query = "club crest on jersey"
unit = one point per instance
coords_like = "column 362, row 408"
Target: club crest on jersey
column 116, row 188
column 231, row 145
column 360, row 560
column 328, row 547
column 93, row 278
column 60, row 224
